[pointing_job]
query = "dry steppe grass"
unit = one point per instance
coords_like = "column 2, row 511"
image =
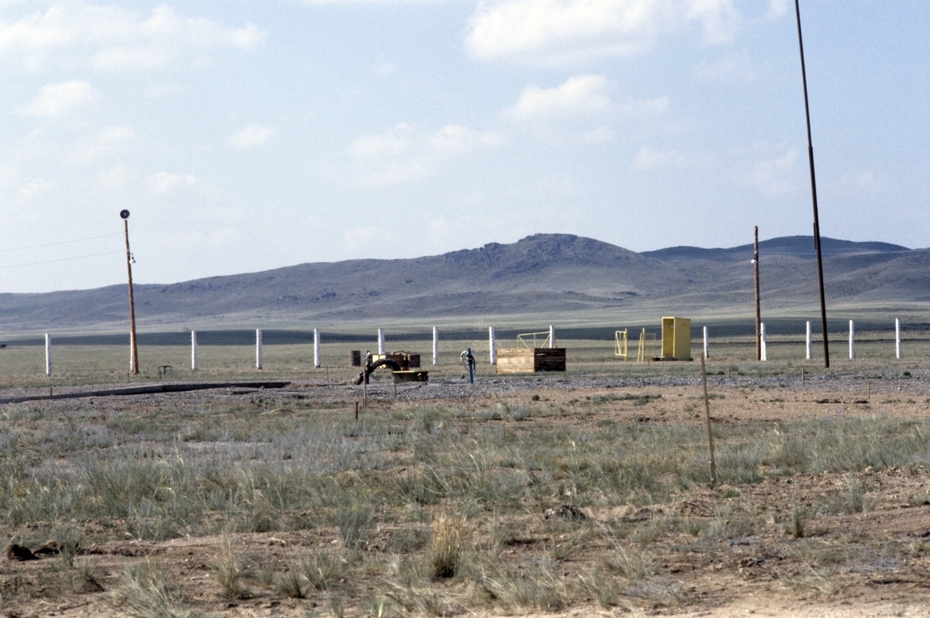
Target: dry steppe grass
column 443, row 501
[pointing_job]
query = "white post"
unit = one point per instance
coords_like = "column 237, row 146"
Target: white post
column 492, row 344
column 258, row 348
column 380, row 341
column 762, row 338
column 897, row 338
column 435, row 345
column 808, row 340
column 316, row 348
column 48, row 354
column 193, row 350
column 551, row 336
column 852, row 340
column 706, row 349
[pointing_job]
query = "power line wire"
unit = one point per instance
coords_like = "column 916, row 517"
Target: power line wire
column 63, row 242
column 79, row 257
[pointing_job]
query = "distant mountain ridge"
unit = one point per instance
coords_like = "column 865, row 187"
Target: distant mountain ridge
column 542, row 273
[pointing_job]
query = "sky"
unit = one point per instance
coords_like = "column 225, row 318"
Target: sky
column 246, row 135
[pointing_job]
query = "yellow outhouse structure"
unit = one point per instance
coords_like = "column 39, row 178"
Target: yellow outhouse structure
column 676, row 339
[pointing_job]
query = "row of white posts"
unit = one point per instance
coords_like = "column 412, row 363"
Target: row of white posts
column 809, row 340
column 492, row 342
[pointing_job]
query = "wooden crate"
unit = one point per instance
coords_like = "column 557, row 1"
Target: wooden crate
column 530, row 360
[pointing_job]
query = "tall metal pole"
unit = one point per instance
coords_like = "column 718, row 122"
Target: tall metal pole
column 755, row 268
column 133, row 349
column 810, row 153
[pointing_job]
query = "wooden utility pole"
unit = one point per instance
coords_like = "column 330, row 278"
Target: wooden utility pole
column 810, row 156
column 133, row 349
column 755, row 269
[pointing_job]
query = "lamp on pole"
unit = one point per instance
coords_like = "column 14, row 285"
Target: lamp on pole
column 133, row 349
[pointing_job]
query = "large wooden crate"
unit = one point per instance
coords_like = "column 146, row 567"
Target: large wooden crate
column 530, row 360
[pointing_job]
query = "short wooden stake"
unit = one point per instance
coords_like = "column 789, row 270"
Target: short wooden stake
column 365, row 388
column 710, row 434
column 356, row 410
column 868, row 393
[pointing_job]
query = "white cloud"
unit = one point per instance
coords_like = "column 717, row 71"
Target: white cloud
column 376, row 2
column 158, row 91
column 56, row 100
column 580, row 95
column 777, row 8
column 455, row 140
column 109, row 141
column 115, row 178
column 393, row 142
column 730, row 68
column 109, row 37
column 861, row 182
column 600, row 135
column 649, row 159
column 251, row 136
column 775, row 174
column 644, row 109
column 164, row 182
column 406, row 153
column 359, row 237
column 554, row 32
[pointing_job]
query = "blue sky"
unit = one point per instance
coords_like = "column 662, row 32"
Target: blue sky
column 246, row 135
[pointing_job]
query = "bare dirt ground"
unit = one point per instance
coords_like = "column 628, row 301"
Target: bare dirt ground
column 870, row 563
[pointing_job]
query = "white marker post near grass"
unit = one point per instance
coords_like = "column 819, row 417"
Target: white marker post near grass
column 380, row 341
column 435, row 346
column 48, row 354
column 551, row 336
column 808, row 348
column 316, row 348
column 897, row 338
column 258, row 348
column 852, row 340
column 193, row 350
column 493, row 345
column 763, row 347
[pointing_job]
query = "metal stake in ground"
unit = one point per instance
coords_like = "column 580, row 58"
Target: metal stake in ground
column 710, row 434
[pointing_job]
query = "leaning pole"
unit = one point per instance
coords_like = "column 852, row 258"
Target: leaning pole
column 810, row 156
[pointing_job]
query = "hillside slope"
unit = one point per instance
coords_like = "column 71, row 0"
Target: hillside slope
column 538, row 274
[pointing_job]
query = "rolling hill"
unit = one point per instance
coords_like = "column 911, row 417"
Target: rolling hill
column 543, row 273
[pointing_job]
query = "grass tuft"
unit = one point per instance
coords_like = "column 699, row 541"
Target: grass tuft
column 445, row 548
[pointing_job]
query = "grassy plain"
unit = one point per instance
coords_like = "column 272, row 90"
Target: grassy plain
column 563, row 494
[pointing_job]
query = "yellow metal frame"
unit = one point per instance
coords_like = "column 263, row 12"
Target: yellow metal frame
column 536, row 344
column 644, row 339
column 622, row 341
